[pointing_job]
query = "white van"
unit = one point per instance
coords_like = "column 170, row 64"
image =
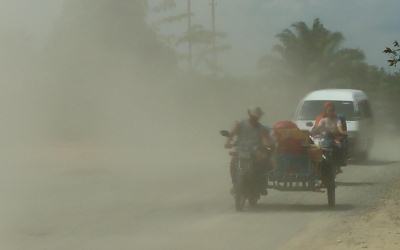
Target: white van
column 352, row 104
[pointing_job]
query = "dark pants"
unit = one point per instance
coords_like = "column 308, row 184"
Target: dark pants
column 233, row 167
column 341, row 152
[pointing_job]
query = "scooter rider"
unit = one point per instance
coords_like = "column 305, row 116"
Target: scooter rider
column 330, row 122
column 249, row 133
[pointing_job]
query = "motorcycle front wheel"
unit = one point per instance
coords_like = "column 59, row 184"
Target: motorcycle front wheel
column 253, row 201
column 240, row 201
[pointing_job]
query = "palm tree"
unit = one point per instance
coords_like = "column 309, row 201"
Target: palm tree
column 314, row 53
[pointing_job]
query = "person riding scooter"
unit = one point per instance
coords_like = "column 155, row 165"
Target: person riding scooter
column 330, row 122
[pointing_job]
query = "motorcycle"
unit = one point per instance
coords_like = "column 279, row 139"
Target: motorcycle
column 247, row 182
column 329, row 164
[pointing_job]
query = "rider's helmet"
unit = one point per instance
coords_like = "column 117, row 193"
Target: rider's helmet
column 329, row 109
column 255, row 112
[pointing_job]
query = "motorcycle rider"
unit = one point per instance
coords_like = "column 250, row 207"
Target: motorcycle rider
column 250, row 133
column 330, row 122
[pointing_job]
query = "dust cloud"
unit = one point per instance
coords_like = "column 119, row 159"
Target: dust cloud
column 99, row 128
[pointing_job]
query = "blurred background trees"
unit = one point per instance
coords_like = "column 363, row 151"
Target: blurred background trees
column 313, row 57
column 194, row 44
column 394, row 54
column 105, row 59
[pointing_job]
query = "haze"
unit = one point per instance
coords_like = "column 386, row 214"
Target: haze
column 251, row 25
column 110, row 136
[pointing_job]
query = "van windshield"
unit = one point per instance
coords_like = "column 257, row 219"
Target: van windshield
column 311, row 109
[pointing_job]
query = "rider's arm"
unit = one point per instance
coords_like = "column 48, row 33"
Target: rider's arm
column 314, row 129
column 232, row 134
column 318, row 126
column 340, row 128
column 266, row 138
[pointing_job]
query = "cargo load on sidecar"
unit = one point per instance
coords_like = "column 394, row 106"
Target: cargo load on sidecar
column 299, row 164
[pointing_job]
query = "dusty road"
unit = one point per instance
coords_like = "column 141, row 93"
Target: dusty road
column 64, row 200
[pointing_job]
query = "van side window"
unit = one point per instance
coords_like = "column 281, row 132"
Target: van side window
column 365, row 109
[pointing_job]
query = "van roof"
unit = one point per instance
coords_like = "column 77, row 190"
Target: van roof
column 336, row 95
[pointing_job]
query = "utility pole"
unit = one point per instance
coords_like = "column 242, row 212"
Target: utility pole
column 189, row 31
column 214, row 34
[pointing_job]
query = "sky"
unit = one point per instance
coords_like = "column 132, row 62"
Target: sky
column 35, row 17
column 251, row 25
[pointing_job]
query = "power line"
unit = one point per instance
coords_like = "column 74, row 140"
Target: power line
column 189, row 31
column 214, row 33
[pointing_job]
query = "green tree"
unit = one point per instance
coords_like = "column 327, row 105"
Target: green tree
column 311, row 57
column 313, row 53
column 394, row 54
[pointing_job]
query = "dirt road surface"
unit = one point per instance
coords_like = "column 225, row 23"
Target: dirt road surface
column 91, row 199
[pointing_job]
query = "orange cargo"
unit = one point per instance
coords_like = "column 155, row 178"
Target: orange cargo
column 290, row 139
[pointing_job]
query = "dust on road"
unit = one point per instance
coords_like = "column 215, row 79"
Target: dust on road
column 86, row 198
